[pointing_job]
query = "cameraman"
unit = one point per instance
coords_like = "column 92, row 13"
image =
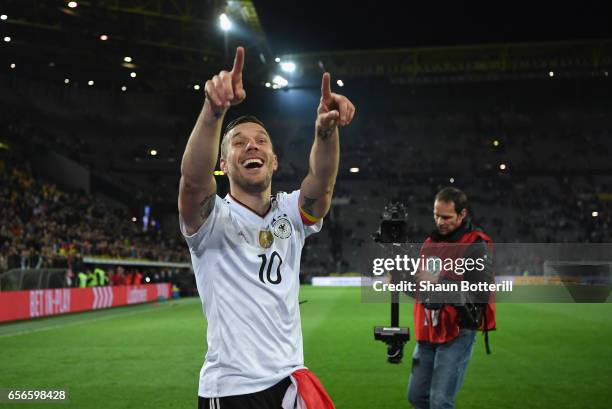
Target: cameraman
column 445, row 328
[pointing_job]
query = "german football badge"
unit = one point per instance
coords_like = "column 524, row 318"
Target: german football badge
column 281, row 227
column 265, row 238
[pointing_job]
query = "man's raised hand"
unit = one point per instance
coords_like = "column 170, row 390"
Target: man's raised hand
column 334, row 109
column 226, row 88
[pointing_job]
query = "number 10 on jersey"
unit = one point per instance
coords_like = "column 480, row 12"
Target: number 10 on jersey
column 267, row 266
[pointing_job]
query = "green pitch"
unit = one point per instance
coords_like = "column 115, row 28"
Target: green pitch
column 149, row 356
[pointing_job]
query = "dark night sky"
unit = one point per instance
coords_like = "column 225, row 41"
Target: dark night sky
column 317, row 26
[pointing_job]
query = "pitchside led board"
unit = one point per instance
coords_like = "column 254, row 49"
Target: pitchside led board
column 23, row 305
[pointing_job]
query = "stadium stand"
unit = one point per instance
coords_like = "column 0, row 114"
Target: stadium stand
column 534, row 163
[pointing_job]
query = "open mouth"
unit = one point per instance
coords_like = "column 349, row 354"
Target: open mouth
column 253, row 163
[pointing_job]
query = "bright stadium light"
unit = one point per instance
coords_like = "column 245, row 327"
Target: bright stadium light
column 134, row 219
column 124, row 88
column 288, row 66
column 7, row 39
column 3, row 17
column 153, row 152
column 280, row 81
column 133, row 74
column 452, row 180
column 551, row 74
column 196, row 87
column 268, row 85
column 495, row 142
column 502, row 166
column 354, row 170
column 224, row 22
column 72, row 4
column 66, row 80
column 127, row 59
column 13, row 66
column 340, row 83
column 103, row 37
column 90, row 83
column 595, row 214
column 277, row 59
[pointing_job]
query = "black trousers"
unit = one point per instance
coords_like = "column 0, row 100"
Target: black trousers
column 271, row 398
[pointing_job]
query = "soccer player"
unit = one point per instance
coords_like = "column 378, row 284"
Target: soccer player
column 246, row 247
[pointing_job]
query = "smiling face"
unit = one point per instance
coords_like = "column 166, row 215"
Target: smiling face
column 247, row 157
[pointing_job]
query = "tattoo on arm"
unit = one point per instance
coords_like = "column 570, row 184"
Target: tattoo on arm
column 324, row 133
column 206, row 206
column 308, row 205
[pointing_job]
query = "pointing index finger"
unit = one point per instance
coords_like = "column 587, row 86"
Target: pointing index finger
column 238, row 62
column 326, row 87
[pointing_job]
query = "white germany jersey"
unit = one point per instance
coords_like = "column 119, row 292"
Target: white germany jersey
column 247, row 272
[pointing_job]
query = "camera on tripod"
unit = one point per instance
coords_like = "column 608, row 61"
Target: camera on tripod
column 393, row 229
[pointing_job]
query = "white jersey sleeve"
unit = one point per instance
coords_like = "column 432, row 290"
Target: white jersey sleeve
column 290, row 202
column 197, row 241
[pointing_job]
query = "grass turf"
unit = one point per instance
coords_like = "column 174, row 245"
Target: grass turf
column 544, row 355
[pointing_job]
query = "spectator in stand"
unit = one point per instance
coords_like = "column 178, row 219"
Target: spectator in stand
column 137, row 278
column 77, row 266
column 129, row 278
column 101, row 276
column 118, row 278
column 82, row 279
column 92, row 278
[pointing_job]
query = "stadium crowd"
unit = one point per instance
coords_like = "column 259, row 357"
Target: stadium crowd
column 554, row 186
column 42, row 226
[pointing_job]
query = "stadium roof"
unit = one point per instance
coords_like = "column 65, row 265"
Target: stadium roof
column 177, row 44
column 169, row 43
column 312, row 26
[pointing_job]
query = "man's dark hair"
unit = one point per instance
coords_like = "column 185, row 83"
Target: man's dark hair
column 454, row 195
column 240, row 120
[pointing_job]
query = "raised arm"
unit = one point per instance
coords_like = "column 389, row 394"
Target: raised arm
column 318, row 185
column 197, row 188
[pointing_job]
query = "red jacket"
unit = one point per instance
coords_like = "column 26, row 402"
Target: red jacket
column 442, row 325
